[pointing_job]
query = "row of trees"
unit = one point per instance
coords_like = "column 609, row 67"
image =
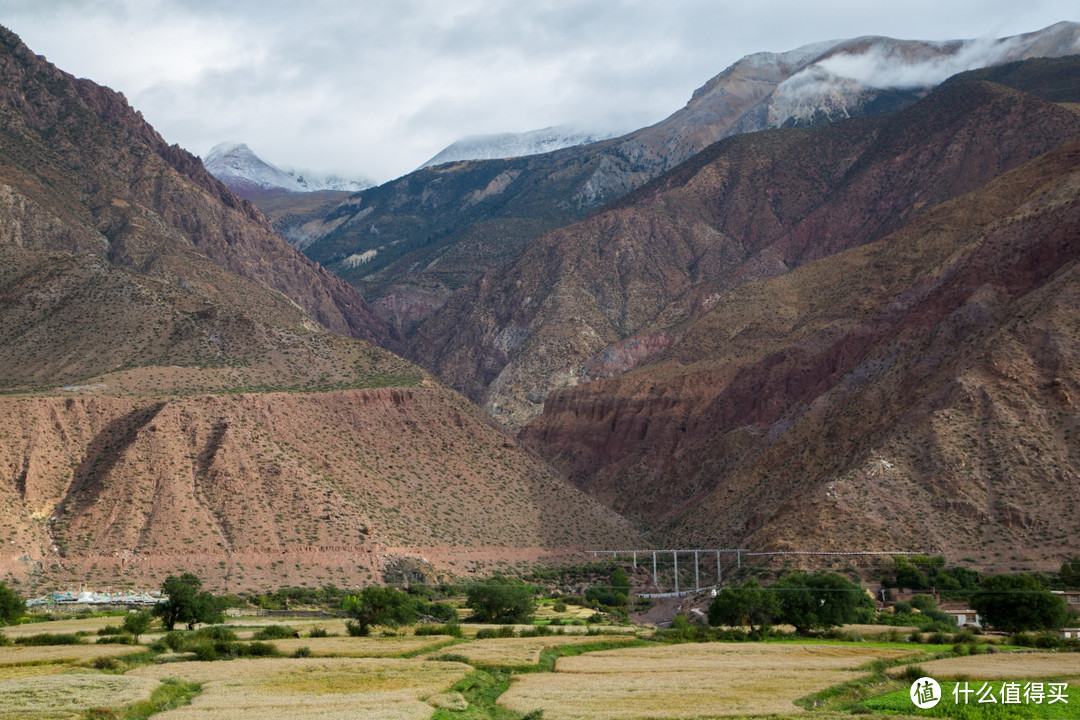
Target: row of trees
column 497, row 600
column 807, row 601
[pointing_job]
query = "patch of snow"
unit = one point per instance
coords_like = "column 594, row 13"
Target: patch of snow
column 357, row 259
column 507, row 145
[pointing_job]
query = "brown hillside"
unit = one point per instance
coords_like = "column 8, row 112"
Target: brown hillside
column 918, row 392
column 322, row 482
column 80, row 169
column 174, row 400
column 596, row 298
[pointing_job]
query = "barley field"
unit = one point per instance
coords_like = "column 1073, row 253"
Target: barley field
column 689, row 681
column 1005, row 666
column 374, row 647
column 310, row 689
column 75, row 625
column 20, row 655
column 61, row 696
column 522, row 651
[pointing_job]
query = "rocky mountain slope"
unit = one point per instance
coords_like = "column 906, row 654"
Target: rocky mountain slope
column 599, row 296
column 917, row 392
column 839, row 336
column 76, row 140
column 409, row 242
column 174, row 397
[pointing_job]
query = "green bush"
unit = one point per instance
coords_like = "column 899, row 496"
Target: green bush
column 106, row 663
column 501, row 600
column 112, row 630
column 938, row 638
column 259, row 649
column 318, row 632
column 205, row 652
column 558, row 606
column 451, row 629
column 50, row 639
column 275, row 632
column 215, row 632
column 175, row 640
column 302, row 652
column 439, row 610
column 923, row 602
column 911, row 673
column 117, row 640
column 12, row 607
column 355, row 629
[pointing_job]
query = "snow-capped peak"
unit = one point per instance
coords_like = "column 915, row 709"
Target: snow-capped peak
column 236, row 165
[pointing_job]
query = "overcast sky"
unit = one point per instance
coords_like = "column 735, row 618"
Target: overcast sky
column 374, row 88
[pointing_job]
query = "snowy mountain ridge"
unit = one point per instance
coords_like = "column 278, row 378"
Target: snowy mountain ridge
column 245, row 173
column 506, row 145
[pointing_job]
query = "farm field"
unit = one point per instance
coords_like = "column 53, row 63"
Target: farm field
column 1006, row 666
column 376, row 688
column 691, row 681
column 392, row 675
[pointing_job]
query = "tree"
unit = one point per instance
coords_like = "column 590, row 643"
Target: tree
column 821, row 600
column 377, row 605
column 12, row 607
column 614, row 594
column 501, row 600
column 744, row 604
column 137, row 623
column 186, row 604
column 923, row 602
column 1070, row 573
column 1015, row 603
column 908, row 575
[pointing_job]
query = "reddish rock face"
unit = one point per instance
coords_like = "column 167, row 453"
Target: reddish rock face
column 924, row 401
column 854, row 349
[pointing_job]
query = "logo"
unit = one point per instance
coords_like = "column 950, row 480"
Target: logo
column 925, row 693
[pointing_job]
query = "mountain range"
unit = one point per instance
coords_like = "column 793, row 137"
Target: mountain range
column 840, row 324
column 182, row 389
column 409, row 243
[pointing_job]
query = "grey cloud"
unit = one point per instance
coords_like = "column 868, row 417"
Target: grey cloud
column 377, row 87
